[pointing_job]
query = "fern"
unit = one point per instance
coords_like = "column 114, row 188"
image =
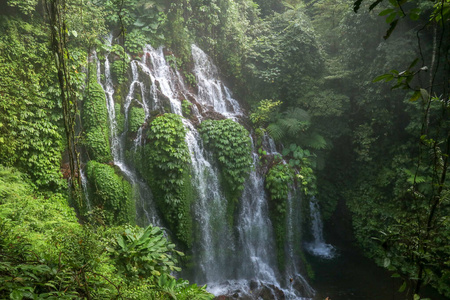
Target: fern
column 315, row 141
column 298, row 114
column 275, row 131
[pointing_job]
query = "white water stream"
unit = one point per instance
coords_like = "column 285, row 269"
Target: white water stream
column 318, row 247
column 227, row 257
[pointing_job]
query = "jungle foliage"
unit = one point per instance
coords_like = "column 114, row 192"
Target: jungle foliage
column 110, row 192
column 346, row 139
column 74, row 261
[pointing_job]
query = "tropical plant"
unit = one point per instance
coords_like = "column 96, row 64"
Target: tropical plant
column 143, row 253
column 264, row 113
column 136, row 118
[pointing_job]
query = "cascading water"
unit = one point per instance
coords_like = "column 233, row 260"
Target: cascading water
column 85, row 189
column 215, row 236
column 318, row 247
column 227, row 258
column 143, row 196
column 212, row 93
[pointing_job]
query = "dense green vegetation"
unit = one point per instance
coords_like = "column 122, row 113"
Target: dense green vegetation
column 230, row 143
column 95, row 123
column 378, row 148
column 165, row 164
column 279, row 182
column 46, row 253
column 111, row 192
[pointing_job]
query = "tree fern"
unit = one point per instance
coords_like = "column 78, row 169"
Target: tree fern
column 275, row 131
column 298, row 114
column 314, row 140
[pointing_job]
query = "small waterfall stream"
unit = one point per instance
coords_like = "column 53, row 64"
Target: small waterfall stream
column 318, row 247
column 85, row 189
column 226, row 258
column 144, row 199
column 215, row 237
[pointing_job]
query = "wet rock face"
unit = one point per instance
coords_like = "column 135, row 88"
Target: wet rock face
column 257, row 291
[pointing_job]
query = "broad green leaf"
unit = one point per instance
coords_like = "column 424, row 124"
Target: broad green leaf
column 386, row 12
column 16, row 295
column 415, row 96
column 424, row 94
column 385, row 77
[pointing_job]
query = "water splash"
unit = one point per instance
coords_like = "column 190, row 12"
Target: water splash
column 318, row 247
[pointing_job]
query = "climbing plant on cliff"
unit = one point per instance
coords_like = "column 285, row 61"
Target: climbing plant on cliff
column 279, row 181
column 164, row 162
column 231, row 144
column 95, row 123
column 29, row 109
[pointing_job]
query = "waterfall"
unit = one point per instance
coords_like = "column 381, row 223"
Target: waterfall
column 142, row 194
column 85, row 190
column 215, row 237
column 229, row 258
column 212, row 93
column 255, row 230
column 318, row 247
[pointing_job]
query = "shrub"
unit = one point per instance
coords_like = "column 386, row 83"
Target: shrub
column 231, row 145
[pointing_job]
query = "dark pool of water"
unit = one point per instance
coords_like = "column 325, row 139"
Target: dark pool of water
column 352, row 276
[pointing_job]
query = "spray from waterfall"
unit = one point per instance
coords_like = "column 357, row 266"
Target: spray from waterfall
column 318, row 247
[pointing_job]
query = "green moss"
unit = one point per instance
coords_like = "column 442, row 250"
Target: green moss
column 136, row 118
column 95, row 123
column 164, row 163
column 111, row 192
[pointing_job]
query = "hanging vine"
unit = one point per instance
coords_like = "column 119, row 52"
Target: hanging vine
column 59, row 31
